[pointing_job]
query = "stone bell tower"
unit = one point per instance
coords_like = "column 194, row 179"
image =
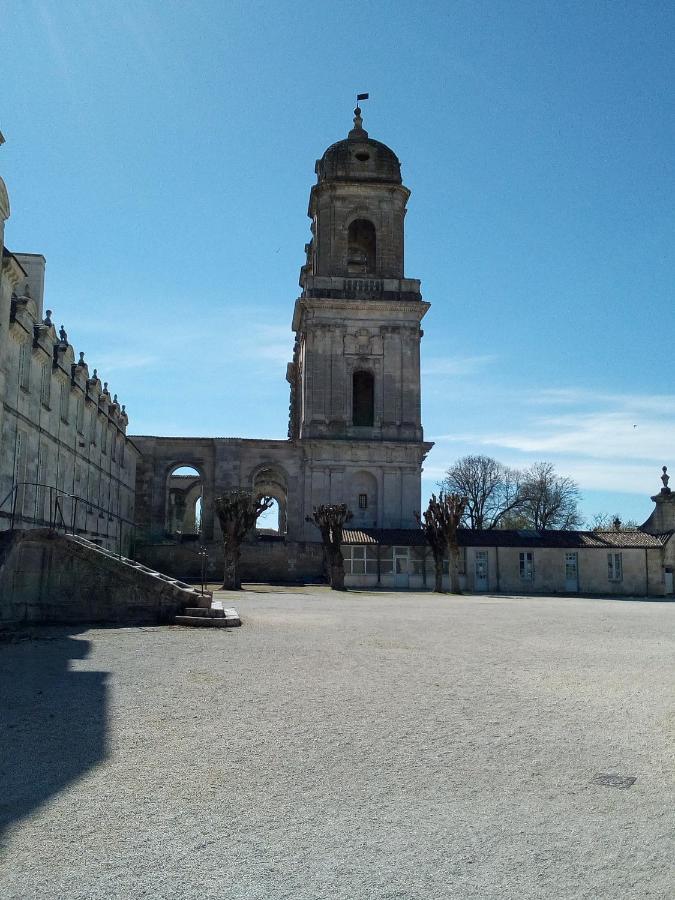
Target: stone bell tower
column 355, row 375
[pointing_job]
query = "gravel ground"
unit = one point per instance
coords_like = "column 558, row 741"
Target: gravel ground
column 345, row 746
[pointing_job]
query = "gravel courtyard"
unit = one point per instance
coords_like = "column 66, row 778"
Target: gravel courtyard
column 345, row 747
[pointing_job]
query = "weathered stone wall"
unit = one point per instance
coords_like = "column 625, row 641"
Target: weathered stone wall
column 59, row 425
column 263, row 559
column 53, row 579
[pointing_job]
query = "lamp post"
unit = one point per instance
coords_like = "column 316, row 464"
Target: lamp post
column 203, row 554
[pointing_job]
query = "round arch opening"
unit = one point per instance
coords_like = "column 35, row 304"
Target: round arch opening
column 184, row 501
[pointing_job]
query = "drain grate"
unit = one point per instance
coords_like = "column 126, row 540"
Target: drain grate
column 613, row 780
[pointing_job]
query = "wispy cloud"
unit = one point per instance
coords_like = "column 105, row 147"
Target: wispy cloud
column 606, row 441
column 456, row 365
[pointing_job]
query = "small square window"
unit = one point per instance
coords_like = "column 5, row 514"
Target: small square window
column 363, row 501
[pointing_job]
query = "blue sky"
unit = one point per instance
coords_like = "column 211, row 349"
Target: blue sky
column 160, row 155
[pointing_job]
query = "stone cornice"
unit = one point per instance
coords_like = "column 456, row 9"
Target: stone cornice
column 417, row 308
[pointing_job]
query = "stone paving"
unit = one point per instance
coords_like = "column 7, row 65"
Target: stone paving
column 345, row 746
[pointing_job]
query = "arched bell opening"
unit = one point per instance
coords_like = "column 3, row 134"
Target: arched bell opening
column 184, row 501
column 361, row 248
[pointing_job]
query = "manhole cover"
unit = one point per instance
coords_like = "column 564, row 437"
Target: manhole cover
column 613, row 780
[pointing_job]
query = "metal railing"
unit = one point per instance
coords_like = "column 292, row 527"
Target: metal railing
column 66, row 512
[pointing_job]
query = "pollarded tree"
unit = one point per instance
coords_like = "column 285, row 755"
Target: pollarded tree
column 490, row 488
column 549, row 500
column 238, row 511
column 330, row 519
column 440, row 523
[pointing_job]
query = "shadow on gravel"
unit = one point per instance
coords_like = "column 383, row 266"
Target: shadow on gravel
column 52, row 719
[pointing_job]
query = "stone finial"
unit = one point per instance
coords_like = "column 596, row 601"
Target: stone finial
column 26, row 291
column 48, row 318
column 95, row 375
column 665, row 478
column 82, row 362
column 124, row 409
column 358, row 131
column 114, row 398
column 63, row 335
column 105, row 388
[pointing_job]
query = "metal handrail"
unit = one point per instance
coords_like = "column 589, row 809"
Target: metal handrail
column 56, row 511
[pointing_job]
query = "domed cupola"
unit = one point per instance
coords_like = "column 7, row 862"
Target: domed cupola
column 359, row 158
column 357, row 207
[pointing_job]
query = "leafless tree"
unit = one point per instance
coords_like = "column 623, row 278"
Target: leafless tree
column 440, row 522
column 607, row 522
column 491, row 490
column 330, row 520
column 238, row 510
column 549, row 500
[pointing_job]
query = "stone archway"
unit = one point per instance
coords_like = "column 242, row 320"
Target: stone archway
column 271, row 481
column 184, row 492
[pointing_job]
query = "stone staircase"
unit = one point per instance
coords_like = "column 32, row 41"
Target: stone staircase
column 51, row 578
column 209, row 613
column 204, row 611
column 187, row 591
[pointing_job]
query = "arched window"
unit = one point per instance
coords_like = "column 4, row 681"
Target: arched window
column 363, row 403
column 184, row 501
column 361, row 248
column 271, row 482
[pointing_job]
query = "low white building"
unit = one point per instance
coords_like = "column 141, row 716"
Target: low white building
column 630, row 562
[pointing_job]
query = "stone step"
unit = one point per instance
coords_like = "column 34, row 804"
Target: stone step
column 204, row 621
column 199, row 611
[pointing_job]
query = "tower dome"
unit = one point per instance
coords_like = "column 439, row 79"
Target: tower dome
column 359, row 158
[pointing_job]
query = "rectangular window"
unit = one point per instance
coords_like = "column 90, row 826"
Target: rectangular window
column 24, row 366
column 527, row 566
column 418, row 564
column 113, row 447
column 363, row 501
column 386, row 561
column 65, row 402
column 122, row 439
column 570, row 566
column 46, row 385
column 360, row 560
column 80, row 415
column 39, row 498
column 461, row 562
column 20, row 470
column 19, row 457
column 401, row 560
column 104, row 438
column 614, row 567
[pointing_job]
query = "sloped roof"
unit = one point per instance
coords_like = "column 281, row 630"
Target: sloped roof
column 413, row 537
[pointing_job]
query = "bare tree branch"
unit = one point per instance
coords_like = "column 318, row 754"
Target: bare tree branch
column 440, row 522
column 237, row 511
column 330, row 520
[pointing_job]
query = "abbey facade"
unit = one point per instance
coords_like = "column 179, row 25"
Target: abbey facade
column 65, row 459
column 355, row 432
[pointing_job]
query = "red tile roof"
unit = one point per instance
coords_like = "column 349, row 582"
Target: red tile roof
column 414, row 537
